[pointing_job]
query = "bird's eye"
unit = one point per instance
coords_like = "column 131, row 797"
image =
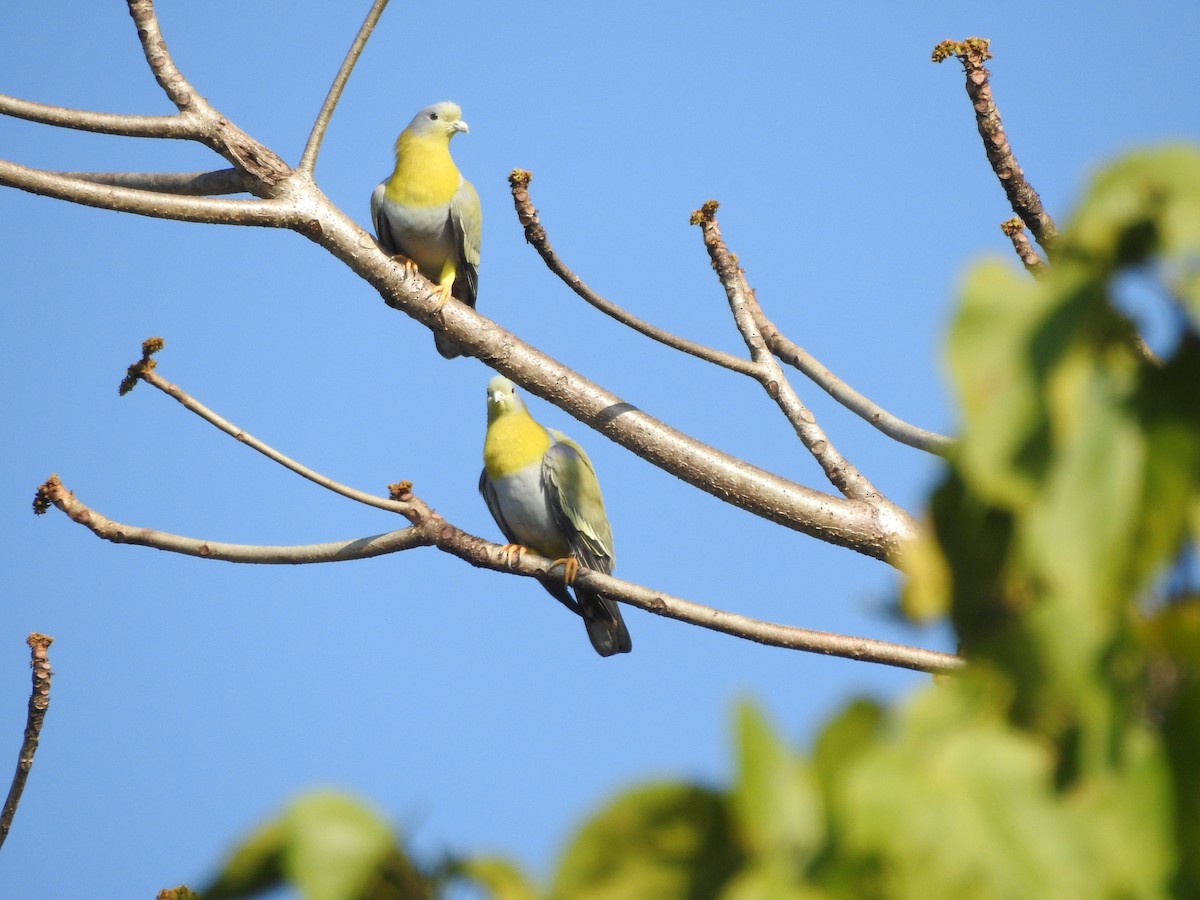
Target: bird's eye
column 433, row 116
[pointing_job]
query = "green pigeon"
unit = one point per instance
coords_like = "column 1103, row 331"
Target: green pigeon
column 542, row 491
column 428, row 213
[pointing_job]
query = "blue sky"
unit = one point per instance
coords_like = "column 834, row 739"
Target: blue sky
column 192, row 699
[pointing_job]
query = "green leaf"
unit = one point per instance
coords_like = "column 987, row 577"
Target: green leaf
column 501, row 877
column 775, row 801
column 959, row 804
column 659, row 840
column 769, row 882
column 1127, row 819
column 997, row 373
column 335, row 846
column 254, row 866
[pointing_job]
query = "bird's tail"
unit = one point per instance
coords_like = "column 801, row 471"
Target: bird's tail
column 448, row 348
column 605, row 627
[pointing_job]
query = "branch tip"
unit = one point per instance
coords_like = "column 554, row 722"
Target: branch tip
column 520, row 178
column 972, row 47
column 39, row 702
column 706, row 213
column 44, row 498
column 138, row 370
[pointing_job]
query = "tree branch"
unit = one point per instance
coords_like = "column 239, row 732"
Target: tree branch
column 432, row 529
column 894, row 427
column 144, row 370
column 786, row 350
column 1025, row 202
column 743, row 304
column 39, row 702
column 296, row 203
column 186, row 184
column 175, row 127
column 256, row 160
column 1015, row 229
column 855, row 524
column 53, row 492
column 536, row 235
column 61, row 186
column 308, row 160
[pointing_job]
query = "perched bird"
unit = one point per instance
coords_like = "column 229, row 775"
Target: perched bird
column 542, row 491
column 428, row 213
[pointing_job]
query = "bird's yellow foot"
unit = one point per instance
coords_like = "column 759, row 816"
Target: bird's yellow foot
column 410, row 267
column 570, row 568
column 443, row 296
column 512, row 554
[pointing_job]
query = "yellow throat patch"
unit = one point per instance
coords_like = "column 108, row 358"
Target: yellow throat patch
column 425, row 175
column 514, row 441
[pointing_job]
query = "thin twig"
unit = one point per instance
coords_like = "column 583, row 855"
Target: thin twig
column 839, row 470
column 787, row 636
column 874, row 414
column 893, row 426
column 144, row 370
column 103, row 527
column 308, row 159
column 175, row 127
column 433, row 530
column 1025, row 202
column 1015, row 229
column 535, row 234
column 39, row 702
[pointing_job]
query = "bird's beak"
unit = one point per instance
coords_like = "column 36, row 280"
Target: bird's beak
column 460, row 125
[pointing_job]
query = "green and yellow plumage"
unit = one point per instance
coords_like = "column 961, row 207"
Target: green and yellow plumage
column 428, row 213
column 542, row 491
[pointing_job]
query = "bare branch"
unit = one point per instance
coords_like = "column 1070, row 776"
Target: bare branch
column 788, row 351
column 434, row 530
column 840, row 471
column 175, row 127
column 187, row 184
column 177, row 88
column 535, row 234
column 39, row 702
column 265, row 213
column 296, row 203
column 308, row 159
column 846, row 523
column 894, row 427
column 1015, row 229
column 1025, row 202
column 144, row 370
column 256, row 160
column 53, row 492
column 771, row 634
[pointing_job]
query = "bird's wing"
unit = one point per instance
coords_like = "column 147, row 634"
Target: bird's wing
column 383, row 231
column 493, row 504
column 575, row 500
column 466, row 224
column 574, row 497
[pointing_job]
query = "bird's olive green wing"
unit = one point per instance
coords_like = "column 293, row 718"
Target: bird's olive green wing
column 574, row 497
column 575, row 500
column 466, row 224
